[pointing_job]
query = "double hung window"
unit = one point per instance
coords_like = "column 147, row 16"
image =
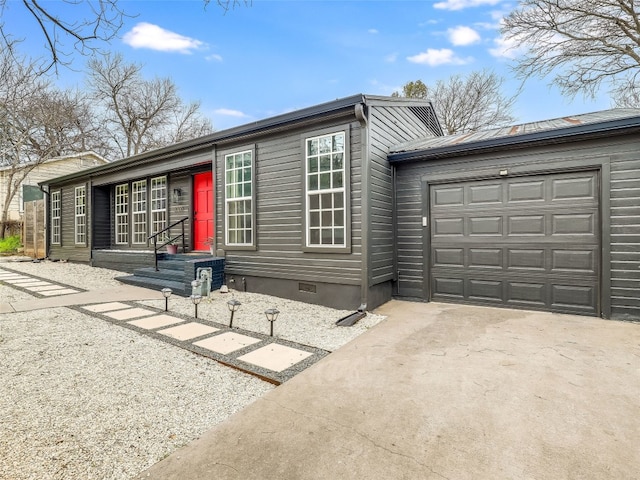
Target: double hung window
column 122, row 214
column 325, row 180
column 139, row 211
column 56, row 209
column 81, row 215
column 239, row 198
column 158, row 204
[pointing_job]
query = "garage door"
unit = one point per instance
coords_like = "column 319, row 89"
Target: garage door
column 526, row 242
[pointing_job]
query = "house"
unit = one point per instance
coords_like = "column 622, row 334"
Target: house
column 300, row 205
column 53, row 167
column 541, row 216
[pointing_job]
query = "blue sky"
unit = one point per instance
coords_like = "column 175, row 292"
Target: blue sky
column 277, row 55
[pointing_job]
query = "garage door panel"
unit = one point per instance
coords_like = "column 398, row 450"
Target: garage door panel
column 574, row 188
column 574, row 224
column 530, row 242
column 526, row 191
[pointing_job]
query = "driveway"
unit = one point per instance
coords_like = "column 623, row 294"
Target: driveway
column 443, row 391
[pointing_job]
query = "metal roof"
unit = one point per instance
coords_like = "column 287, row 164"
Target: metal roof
column 558, row 129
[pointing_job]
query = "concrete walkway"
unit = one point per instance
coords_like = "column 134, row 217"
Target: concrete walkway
column 272, row 359
column 443, row 392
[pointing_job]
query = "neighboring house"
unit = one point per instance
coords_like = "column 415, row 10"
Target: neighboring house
column 541, row 216
column 301, row 205
column 54, row 167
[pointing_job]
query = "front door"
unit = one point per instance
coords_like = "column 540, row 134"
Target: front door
column 203, row 211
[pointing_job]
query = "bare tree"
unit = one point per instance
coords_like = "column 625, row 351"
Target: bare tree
column 465, row 104
column 142, row 114
column 582, row 43
column 87, row 28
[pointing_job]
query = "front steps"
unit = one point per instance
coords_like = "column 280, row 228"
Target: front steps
column 177, row 272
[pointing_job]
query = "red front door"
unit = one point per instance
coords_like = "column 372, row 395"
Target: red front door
column 203, row 211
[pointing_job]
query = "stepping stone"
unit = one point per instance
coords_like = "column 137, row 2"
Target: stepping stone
column 275, row 357
column 106, row 307
column 226, row 342
column 44, row 288
column 129, row 313
column 16, row 280
column 20, row 281
column 62, row 291
column 158, row 321
column 34, row 283
column 188, row 331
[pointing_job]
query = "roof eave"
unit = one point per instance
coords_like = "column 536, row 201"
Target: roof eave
column 562, row 135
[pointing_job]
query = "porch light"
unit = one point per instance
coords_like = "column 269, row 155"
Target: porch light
column 233, row 306
column 196, row 300
column 272, row 316
column 166, row 293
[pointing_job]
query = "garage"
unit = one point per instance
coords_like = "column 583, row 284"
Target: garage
column 528, row 242
column 539, row 216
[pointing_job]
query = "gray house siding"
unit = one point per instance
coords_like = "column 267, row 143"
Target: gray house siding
column 618, row 162
column 68, row 249
column 279, row 204
column 388, row 126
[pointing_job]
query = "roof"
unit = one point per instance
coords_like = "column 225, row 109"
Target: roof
column 546, row 131
column 336, row 108
column 71, row 156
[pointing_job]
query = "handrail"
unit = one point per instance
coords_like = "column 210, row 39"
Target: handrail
column 170, row 240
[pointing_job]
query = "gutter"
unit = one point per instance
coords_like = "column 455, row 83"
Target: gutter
column 567, row 134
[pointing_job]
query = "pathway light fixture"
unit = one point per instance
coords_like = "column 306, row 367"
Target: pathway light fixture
column 196, row 300
column 233, row 305
column 166, row 293
column 272, row 316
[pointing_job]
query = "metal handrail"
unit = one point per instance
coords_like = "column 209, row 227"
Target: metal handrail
column 156, row 247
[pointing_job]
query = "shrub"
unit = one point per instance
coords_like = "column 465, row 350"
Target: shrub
column 10, row 244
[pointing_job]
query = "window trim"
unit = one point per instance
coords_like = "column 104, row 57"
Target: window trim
column 240, row 246
column 144, row 211
column 77, row 216
column 124, row 215
column 56, row 230
column 153, row 212
column 346, row 248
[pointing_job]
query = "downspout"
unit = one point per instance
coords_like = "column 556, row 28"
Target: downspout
column 361, row 116
column 47, row 220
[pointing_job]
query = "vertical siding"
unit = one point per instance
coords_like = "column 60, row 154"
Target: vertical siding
column 101, row 225
column 388, row 126
column 279, row 215
column 623, row 156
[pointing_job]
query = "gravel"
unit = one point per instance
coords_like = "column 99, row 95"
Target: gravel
column 84, row 398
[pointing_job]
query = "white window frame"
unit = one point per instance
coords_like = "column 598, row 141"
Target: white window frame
column 239, row 175
column 326, row 180
column 122, row 214
column 56, row 211
column 139, row 212
column 80, row 219
column 158, row 204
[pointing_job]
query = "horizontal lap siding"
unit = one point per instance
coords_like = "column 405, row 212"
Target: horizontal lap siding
column 182, row 207
column 279, row 216
column 625, row 230
column 623, row 155
column 388, row 126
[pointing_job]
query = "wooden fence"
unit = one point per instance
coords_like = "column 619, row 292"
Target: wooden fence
column 33, row 236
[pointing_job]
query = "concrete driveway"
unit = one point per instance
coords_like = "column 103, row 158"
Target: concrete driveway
column 443, row 391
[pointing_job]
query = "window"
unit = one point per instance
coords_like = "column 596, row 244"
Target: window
column 139, row 211
column 239, row 199
column 158, row 204
column 55, row 217
column 81, row 215
column 122, row 214
column 325, row 191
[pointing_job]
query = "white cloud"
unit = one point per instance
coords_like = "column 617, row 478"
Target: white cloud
column 433, row 57
column 373, row 31
column 462, row 4
column 506, row 48
column 462, row 35
column 227, row 112
column 147, row 35
column 214, row 57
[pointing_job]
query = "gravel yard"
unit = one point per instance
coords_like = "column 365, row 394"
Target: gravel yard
column 84, row 398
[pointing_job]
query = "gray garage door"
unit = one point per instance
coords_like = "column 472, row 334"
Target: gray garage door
column 527, row 242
